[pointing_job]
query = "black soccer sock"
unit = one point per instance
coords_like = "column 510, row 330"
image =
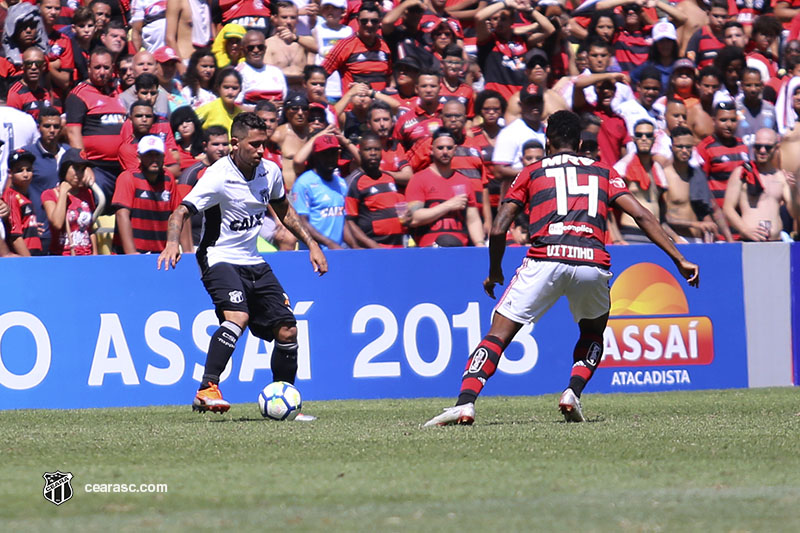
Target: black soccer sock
column 481, row 366
column 284, row 361
column 587, row 354
column 220, row 349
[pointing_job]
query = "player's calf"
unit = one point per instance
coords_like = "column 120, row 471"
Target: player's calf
column 481, row 365
column 586, row 356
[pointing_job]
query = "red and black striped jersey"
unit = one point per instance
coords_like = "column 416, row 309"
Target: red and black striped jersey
column 128, row 155
column 705, row 46
column 486, row 149
column 22, row 220
column 432, row 189
column 568, row 197
column 252, row 14
column 21, row 97
column 719, row 160
column 748, row 10
column 370, row 203
column 463, row 93
column 393, row 156
column 59, row 47
column 100, row 117
column 356, row 62
column 632, row 49
column 503, row 64
column 416, row 124
column 150, row 206
column 467, row 160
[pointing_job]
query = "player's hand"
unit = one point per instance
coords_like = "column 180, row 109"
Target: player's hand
column 169, row 257
column 318, row 260
column 490, row 282
column 690, row 272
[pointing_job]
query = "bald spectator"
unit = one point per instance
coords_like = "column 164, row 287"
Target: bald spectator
column 260, row 81
column 30, row 94
column 756, row 192
column 145, row 63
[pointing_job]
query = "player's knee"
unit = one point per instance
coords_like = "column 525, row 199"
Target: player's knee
column 286, row 334
column 240, row 318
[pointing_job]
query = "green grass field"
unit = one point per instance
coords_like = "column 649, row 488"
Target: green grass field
column 687, row 461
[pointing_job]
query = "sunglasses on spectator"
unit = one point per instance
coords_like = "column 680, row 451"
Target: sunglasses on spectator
column 254, row 47
column 766, row 147
column 643, row 135
column 298, row 107
column 317, row 118
column 39, row 64
column 124, row 71
column 367, row 22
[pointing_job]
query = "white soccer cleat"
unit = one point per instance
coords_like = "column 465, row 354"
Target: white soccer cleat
column 570, row 407
column 304, row 418
column 459, row 414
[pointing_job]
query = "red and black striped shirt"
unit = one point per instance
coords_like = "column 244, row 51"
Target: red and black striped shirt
column 356, row 62
column 632, row 49
column 719, row 160
column 22, row 220
column 463, row 93
column 416, row 124
column 100, row 117
column 150, row 206
column 705, row 46
column 370, row 203
column 503, row 64
column 568, row 197
column 21, row 97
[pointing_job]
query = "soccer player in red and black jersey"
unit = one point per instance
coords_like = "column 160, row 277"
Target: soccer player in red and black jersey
column 371, row 204
column 29, row 94
column 568, row 198
column 441, row 200
column 722, row 151
column 365, row 56
column 144, row 199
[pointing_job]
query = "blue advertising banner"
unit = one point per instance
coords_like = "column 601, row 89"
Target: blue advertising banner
column 114, row 331
column 795, row 280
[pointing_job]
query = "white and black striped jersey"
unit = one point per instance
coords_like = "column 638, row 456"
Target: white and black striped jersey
column 234, row 209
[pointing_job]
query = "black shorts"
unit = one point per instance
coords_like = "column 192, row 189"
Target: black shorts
column 253, row 289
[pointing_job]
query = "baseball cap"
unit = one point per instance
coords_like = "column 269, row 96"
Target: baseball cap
column 325, row 142
column 150, row 143
column 296, row 99
column 664, row 30
column 683, row 62
column 537, row 56
column 20, row 154
column 530, row 92
column 165, row 54
column 341, row 4
column 72, row 156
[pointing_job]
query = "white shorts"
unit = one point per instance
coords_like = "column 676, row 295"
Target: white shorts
column 537, row 285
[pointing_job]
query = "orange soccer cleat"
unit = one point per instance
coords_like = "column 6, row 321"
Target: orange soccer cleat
column 210, row 399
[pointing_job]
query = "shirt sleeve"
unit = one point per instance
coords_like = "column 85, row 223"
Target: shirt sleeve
column 351, row 201
column 75, row 109
column 205, row 193
column 616, row 186
column 504, row 149
column 277, row 189
column 300, row 199
column 415, row 191
column 123, row 191
column 518, row 192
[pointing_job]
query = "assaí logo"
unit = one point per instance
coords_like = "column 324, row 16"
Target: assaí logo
column 650, row 327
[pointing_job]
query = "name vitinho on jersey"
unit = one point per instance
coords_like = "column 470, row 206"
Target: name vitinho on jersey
column 564, row 251
column 246, row 223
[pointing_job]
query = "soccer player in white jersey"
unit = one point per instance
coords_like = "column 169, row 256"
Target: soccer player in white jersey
column 233, row 195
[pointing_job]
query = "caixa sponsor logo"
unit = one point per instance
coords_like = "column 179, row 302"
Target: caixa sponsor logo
column 651, row 326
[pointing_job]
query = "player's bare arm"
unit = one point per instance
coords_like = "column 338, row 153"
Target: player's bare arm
column 497, row 245
column 289, row 217
column 652, row 228
column 171, row 253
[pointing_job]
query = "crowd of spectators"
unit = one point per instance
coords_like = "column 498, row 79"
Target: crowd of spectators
column 396, row 123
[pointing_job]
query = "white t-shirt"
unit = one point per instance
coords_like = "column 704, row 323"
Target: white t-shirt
column 327, row 39
column 153, row 14
column 508, row 147
column 265, row 83
column 234, row 210
column 17, row 129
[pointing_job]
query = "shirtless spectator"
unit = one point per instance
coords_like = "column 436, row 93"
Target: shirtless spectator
column 645, row 179
column 260, row 81
column 189, row 26
column 537, row 69
column 700, row 117
column 284, row 49
column 756, row 192
column 690, row 211
column 292, row 135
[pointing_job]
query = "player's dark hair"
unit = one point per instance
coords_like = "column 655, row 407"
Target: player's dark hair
column 484, row 95
column 453, row 50
column 369, row 136
column 532, row 144
column 564, row 130
column 244, row 122
column 310, row 70
column 145, row 80
column 139, row 103
column 429, row 71
column 378, row 104
column 47, row 111
column 266, row 105
column 215, row 131
column 767, row 25
column 650, row 73
column 370, row 6
column 679, row 131
column 181, row 115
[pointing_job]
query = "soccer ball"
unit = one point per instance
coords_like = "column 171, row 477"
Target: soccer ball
column 280, row 401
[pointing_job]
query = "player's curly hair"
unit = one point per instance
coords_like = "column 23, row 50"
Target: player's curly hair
column 564, row 130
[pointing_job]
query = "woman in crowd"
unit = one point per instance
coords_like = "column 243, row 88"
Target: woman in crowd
column 198, row 82
column 188, row 135
column 222, row 110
